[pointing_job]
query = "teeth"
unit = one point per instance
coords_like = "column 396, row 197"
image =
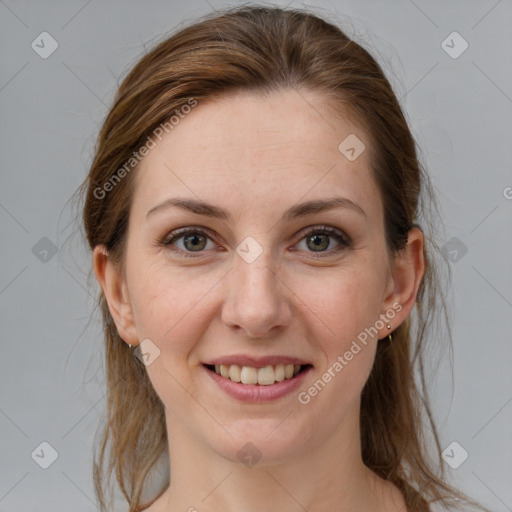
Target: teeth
column 249, row 375
column 279, row 372
column 263, row 376
column 235, row 373
column 266, row 376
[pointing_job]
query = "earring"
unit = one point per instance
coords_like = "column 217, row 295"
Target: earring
column 389, row 335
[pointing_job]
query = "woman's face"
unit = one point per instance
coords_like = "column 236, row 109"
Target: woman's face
column 256, row 284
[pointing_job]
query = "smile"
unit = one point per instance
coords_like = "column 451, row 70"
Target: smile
column 265, row 376
column 257, row 379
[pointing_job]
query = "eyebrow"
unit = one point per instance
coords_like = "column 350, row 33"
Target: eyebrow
column 296, row 211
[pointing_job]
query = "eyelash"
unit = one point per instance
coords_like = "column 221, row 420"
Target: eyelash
column 344, row 240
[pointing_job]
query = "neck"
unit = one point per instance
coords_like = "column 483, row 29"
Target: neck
column 330, row 476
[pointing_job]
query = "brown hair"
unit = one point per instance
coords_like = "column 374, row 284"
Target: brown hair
column 264, row 49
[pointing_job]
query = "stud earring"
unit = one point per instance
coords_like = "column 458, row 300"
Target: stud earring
column 389, row 335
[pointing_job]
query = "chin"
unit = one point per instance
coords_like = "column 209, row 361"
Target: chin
column 263, row 442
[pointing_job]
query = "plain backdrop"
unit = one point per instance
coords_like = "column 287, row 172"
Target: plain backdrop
column 459, row 104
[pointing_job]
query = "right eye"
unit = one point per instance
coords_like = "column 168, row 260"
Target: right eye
column 193, row 240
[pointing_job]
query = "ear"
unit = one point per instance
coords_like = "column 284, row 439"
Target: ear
column 112, row 281
column 404, row 280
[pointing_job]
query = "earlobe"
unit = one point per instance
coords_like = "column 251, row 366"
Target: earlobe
column 115, row 290
column 407, row 273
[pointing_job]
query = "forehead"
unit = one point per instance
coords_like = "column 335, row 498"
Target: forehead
column 247, row 147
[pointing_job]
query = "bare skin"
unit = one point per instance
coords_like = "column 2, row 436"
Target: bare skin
column 255, row 158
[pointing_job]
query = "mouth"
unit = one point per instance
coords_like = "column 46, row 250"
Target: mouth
column 258, row 376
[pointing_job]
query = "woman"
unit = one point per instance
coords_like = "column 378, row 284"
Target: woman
column 266, row 287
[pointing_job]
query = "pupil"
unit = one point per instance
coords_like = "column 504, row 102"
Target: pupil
column 317, row 240
column 196, row 240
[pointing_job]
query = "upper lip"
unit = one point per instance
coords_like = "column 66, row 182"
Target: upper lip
column 255, row 362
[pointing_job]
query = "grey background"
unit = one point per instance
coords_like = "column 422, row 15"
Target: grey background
column 51, row 109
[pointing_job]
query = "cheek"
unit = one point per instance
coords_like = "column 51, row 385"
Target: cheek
column 342, row 309
column 169, row 304
column 343, row 302
column 171, row 309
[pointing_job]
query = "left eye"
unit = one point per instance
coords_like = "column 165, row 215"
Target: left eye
column 319, row 238
column 196, row 240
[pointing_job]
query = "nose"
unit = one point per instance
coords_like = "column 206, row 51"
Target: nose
column 257, row 298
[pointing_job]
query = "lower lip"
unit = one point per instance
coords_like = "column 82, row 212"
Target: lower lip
column 256, row 392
